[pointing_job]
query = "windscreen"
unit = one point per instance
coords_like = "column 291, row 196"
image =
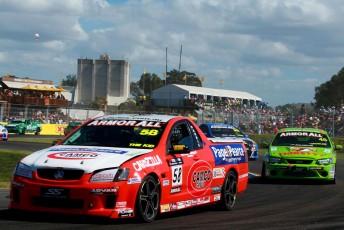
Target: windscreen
column 312, row 139
column 123, row 134
column 225, row 131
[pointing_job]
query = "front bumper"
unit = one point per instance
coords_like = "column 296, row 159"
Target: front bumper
column 102, row 199
column 279, row 171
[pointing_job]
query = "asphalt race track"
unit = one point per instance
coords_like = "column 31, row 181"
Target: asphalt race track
column 277, row 205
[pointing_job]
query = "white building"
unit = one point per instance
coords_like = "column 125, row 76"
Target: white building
column 175, row 95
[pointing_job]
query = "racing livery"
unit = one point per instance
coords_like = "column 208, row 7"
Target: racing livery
column 3, row 133
column 301, row 153
column 24, row 126
column 223, row 132
column 123, row 166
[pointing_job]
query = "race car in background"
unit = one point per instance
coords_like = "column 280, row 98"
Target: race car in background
column 224, row 132
column 123, row 166
column 300, row 153
column 3, row 133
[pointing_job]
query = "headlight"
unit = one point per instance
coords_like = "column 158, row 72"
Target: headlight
column 122, row 174
column 325, row 161
column 274, row 160
column 23, row 170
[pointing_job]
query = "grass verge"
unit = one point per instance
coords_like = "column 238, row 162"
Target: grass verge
column 8, row 160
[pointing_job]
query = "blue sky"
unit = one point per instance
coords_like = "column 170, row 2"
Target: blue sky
column 279, row 50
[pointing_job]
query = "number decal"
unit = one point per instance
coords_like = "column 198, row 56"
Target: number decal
column 177, row 175
column 147, row 132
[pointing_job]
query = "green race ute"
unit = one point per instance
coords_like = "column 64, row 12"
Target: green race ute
column 300, row 153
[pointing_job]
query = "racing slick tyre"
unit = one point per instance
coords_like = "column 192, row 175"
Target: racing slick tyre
column 37, row 131
column 263, row 172
column 229, row 191
column 23, row 132
column 148, row 200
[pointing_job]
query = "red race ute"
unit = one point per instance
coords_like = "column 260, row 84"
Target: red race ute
column 124, row 166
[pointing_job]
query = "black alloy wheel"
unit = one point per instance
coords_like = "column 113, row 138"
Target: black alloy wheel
column 148, row 200
column 229, row 191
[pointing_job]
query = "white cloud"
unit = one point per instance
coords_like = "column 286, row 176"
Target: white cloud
column 258, row 46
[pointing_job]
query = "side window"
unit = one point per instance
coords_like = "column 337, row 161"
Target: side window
column 196, row 138
column 185, row 134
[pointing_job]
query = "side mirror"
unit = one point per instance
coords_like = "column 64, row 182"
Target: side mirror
column 338, row 147
column 264, row 145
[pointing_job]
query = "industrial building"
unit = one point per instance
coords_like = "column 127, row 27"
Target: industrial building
column 104, row 78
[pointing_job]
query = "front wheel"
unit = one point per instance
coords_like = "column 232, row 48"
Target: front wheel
column 148, row 200
column 229, row 191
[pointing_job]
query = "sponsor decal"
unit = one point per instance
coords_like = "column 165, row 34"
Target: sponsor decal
column 165, row 182
column 73, row 155
column 302, row 134
column 59, row 129
column 147, row 162
column 199, row 178
column 85, row 149
column 125, row 212
column 180, row 205
column 206, row 199
column 165, row 208
column 103, row 190
column 106, row 175
column 173, row 207
column 175, row 161
column 219, row 173
column 315, row 168
column 175, row 190
column 216, row 189
column 243, row 175
column 311, row 154
column 138, row 123
column 188, row 203
column 194, row 202
column 200, row 200
column 303, row 149
column 134, row 181
column 121, row 204
column 18, row 184
column 228, row 154
column 217, row 197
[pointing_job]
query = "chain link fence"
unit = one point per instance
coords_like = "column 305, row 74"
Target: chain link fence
column 249, row 120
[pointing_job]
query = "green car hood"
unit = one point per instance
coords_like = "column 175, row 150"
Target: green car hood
column 300, row 152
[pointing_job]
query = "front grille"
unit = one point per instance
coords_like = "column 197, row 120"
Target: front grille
column 297, row 161
column 68, row 174
column 304, row 173
column 51, row 202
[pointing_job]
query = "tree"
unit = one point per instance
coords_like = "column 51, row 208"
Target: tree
column 149, row 82
column 331, row 92
column 70, row 80
column 183, row 78
column 98, row 103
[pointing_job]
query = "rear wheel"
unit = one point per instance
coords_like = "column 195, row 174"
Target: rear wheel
column 148, row 200
column 23, row 131
column 229, row 191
